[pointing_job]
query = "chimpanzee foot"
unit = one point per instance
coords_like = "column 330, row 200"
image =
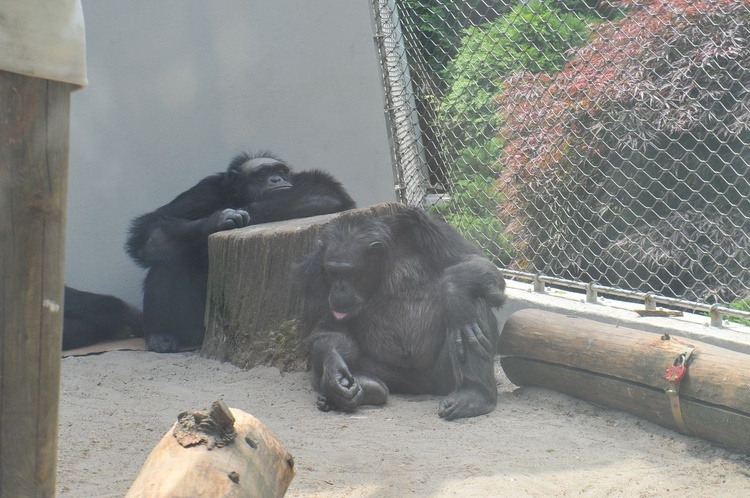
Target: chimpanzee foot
column 368, row 391
column 465, row 403
column 162, row 343
column 376, row 392
column 325, row 406
column 322, row 403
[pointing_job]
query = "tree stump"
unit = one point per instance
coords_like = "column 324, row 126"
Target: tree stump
column 626, row 369
column 253, row 302
column 222, row 453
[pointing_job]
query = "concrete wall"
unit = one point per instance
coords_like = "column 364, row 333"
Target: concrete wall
column 178, row 87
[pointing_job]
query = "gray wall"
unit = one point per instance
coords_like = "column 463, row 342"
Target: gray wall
column 176, row 88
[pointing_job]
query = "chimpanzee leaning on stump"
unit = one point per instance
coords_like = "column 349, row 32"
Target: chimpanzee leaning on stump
column 401, row 303
column 172, row 242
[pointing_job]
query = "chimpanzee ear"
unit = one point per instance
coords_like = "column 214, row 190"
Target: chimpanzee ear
column 233, row 184
column 234, row 178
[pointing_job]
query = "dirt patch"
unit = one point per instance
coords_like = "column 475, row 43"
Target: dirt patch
column 116, row 406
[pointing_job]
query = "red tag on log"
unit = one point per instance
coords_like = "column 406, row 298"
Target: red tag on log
column 675, row 373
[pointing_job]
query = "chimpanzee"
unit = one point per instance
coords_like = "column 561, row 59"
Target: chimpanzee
column 400, row 303
column 172, row 241
column 89, row 318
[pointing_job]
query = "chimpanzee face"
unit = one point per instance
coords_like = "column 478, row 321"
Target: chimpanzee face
column 353, row 272
column 259, row 177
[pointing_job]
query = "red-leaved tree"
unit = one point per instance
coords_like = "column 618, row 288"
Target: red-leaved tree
column 631, row 165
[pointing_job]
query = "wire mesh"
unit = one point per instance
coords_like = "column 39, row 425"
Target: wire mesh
column 584, row 140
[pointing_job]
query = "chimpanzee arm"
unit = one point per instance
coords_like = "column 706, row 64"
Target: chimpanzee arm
column 465, row 277
column 465, row 274
column 313, row 193
column 162, row 238
column 330, row 372
column 439, row 244
column 462, row 285
column 331, row 355
column 181, row 228
column 475, row 277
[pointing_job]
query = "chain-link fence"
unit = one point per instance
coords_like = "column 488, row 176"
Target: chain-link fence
column 581, row 140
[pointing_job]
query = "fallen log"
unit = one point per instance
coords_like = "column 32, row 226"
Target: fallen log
column 218, row 454
column 626, row 369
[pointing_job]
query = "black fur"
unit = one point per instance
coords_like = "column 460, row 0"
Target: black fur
column 401, row 303
column 172, row 241
column 90, row 318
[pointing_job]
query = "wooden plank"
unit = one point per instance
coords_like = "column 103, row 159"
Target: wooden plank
column 34, row 124
column 253, row 302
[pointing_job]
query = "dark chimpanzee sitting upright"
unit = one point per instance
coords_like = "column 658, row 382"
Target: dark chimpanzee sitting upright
column 89, row 318
column 401, row 303
column 172, row 242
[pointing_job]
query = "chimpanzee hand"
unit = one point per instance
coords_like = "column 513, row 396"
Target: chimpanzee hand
column 472, row 335
column 466, row 288
column 228, row 219
column 340, row 389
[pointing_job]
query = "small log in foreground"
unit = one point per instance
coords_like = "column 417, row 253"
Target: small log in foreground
column 624, row 368
column 222, row 453
column 253, row 301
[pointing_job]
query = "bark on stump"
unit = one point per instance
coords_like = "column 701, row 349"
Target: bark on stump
column 253, row 302
column 624, row 368
column 223, row 453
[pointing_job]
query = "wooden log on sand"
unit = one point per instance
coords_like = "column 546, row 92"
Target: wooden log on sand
column 253, row 301
column 626, row 369
column 223, row 453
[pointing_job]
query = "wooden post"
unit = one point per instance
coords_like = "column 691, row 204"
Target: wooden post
column 34, row 146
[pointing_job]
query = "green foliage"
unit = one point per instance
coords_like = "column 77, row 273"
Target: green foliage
column 473, row 194
column 471, row 211
column 743, row 305
column 475, row 201
column 434, row 27
column 532, row 37
column 479, row 159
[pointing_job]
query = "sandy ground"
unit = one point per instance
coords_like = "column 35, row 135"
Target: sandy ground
column 116, row 406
